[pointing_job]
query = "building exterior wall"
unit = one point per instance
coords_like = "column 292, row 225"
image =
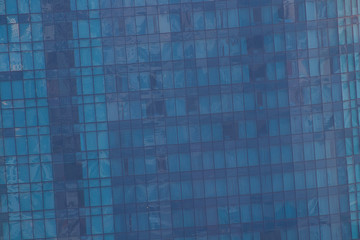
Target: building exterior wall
column 179, row 119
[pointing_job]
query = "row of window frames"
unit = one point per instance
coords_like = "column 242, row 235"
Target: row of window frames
column 75, row 198
column 34, row 117
column 230, row 130
column 235, row 102
column 256, row 72
column 256, row 14
column 220, row 18
column 256, row 43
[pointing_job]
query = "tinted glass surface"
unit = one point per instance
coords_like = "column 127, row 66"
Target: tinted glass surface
column 179, row 119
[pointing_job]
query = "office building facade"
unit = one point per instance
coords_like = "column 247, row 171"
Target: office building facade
column 179, row 119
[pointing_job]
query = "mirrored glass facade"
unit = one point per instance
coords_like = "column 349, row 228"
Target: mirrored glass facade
column 179, row 119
